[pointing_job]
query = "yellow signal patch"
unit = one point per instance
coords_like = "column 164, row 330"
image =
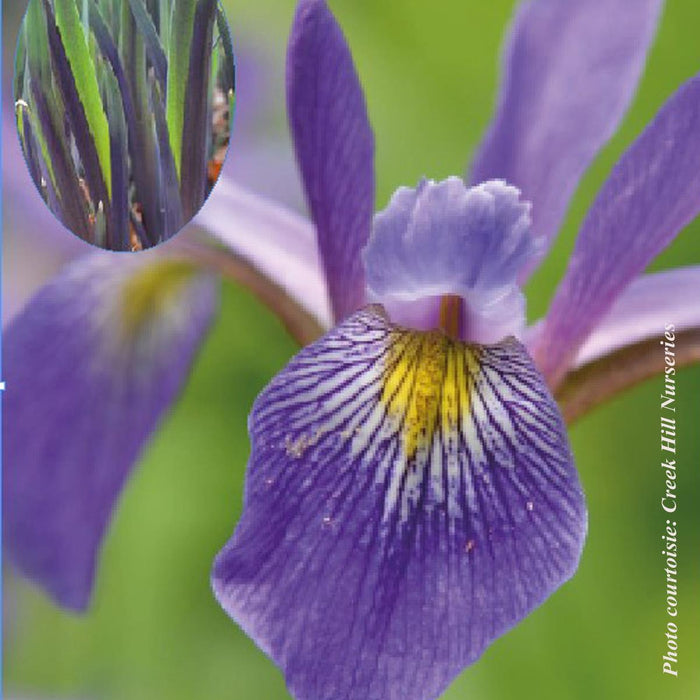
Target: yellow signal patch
column 427, row 383
column 146, row 294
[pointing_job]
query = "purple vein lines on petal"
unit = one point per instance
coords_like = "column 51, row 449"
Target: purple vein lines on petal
column 399, row 483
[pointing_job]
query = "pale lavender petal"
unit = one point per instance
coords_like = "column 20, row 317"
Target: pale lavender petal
column 262, row 158
column 651, row 194
column 334, row 146
column 447, row 239
column 268, row 168
column 570, row 71
column 91, row 365
column 277, row 242
column 389, row 535
column 644, row 310
column 35, row 243
column 21, row 194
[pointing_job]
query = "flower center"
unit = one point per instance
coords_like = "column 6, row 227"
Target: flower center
column 446, row 256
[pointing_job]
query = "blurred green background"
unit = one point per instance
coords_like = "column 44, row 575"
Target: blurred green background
column 154, row 631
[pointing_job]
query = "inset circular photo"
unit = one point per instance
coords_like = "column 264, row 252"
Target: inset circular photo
column 124, row 111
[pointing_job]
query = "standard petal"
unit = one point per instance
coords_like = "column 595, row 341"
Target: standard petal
column 277, row 242
column 409, row 499
column 91, row 365
column 644, row 310
column 651, row 194
column 570, row 71
column 334, row 146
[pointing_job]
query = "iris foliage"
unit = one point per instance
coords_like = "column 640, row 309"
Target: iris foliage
column 123, row 112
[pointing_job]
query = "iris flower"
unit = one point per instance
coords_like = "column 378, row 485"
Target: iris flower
column 411, row 494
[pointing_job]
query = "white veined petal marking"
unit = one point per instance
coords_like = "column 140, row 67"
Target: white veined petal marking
column 427, row 420
column 409, row 498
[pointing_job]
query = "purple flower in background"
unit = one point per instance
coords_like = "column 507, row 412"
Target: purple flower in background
column 411, row 494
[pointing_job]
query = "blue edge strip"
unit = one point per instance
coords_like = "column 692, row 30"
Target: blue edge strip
column 2, row 105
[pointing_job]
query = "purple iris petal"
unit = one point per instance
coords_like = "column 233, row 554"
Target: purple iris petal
column 570, row 72
column 409, row 498
column 447, row 239
column 643, row 310
column 262, row 160
column 91, row 365
column 651, row 194
column 275, row 240
column 334, row 146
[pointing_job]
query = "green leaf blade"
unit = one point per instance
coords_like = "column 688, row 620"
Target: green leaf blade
column 70, row 26
column 181, row 29
column 151, row 40
column 36, row 43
